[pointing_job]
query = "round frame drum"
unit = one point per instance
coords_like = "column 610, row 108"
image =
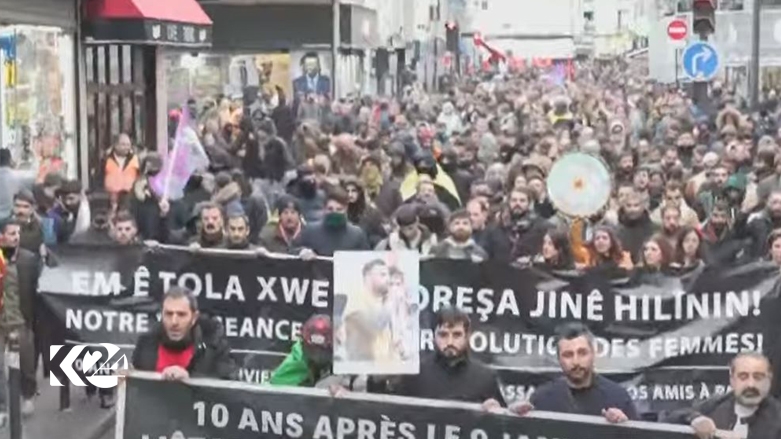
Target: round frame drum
column 579, row 184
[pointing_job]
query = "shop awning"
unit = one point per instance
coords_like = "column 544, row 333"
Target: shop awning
column 158, row 22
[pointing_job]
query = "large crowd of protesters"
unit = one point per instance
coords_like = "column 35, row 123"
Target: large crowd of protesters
column 461, row 174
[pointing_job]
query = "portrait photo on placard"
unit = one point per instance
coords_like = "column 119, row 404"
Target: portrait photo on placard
column 376, row 326
column 311, row 74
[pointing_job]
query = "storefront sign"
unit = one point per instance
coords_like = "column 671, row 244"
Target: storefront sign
column 146, row 31
column 178, row 33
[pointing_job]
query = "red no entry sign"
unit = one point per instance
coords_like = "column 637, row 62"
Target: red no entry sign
column 677, row 30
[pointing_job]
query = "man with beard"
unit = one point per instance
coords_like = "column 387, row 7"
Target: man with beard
column 713, row 190
column 367, row 317
column 71, row 213
column 32, row 229
column 720, row 243
column 686, row 145
column 185, row 344
column 459, row 245
column 451, row 374
column 238, row 232
column 626, row 167
column 761, row 224
column 311, row 199
column 671, row 224
column 211, row 228
column 410, row 234
column 634, row 225
column 99, row 229
column 279, row 236
column 520, row 231
column 670, row 160
column 19, row 285
column 673, row 196
column 581, row 390
column 747, row 411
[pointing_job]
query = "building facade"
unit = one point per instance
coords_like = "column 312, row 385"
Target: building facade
column 39, row 41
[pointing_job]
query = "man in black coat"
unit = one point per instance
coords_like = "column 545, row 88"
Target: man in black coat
column 185, row 344
column 451, row 374
column 634, row 225
column 333, row 233
column 19, row 285
column 748, row 411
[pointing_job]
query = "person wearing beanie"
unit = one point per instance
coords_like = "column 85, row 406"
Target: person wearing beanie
column 362, row 212
column 409, row 234
column 334, row 233
column 278, row 235
column 389, row 198
column 310, row 197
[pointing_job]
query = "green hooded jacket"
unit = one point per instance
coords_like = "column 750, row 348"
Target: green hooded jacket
column 295, row 370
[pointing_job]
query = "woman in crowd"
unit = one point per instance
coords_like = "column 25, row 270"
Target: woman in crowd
column 774, row 243
column 556, row 252
column 605, row 251
column 688, row 250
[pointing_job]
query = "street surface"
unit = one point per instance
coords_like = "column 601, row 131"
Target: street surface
column 82, row 421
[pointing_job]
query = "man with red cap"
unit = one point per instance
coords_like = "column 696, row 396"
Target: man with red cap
column 310, row 360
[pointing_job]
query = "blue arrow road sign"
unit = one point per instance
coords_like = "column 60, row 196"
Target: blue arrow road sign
column 701, row 61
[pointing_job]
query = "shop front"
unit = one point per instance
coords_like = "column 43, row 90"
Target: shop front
column 38, row 105
column 126, row 42
column 280, row 51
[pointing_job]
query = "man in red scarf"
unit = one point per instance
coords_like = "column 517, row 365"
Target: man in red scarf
column 184, row 344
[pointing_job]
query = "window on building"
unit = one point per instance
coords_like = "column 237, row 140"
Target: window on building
column 623, row 23
column 588, row 15
column 685, row 6
column 731, row 5
column 771, row 3
column 484, row 5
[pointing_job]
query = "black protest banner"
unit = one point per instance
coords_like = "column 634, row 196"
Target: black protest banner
column 149, row 408
column 666, row 338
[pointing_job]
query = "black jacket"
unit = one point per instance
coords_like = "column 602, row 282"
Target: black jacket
column 211, row 359
column 28, row 269
column 325, row 241
column 764, row 424
column 634, row 233
column 469, row 381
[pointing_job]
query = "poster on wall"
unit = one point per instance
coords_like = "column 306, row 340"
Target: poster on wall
column 265, row 73
column 376, row 313
column 274, row 71
column 311, row 73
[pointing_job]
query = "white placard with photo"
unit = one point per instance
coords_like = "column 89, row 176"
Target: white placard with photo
column 376, row 326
